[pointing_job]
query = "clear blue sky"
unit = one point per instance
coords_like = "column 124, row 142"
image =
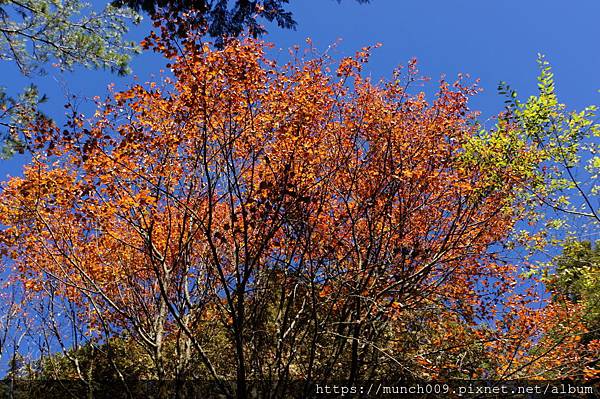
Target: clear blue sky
column 490, row 40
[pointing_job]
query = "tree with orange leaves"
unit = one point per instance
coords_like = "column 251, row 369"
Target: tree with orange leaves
column 309, row 225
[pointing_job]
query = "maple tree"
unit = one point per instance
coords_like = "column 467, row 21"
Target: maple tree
column 312, row 224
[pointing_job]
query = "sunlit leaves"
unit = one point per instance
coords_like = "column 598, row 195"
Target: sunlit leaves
column 270, row 203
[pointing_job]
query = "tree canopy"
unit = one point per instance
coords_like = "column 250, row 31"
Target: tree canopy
column 308, row 221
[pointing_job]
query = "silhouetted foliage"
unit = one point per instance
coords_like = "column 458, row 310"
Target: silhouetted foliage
column 222, row 18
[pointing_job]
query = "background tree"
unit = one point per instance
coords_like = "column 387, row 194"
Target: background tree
column 576, row 279
column 65, row 33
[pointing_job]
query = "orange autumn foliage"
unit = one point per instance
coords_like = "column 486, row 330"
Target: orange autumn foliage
column 319, row 218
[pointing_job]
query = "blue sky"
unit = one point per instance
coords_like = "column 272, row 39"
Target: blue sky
column 490, row 40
